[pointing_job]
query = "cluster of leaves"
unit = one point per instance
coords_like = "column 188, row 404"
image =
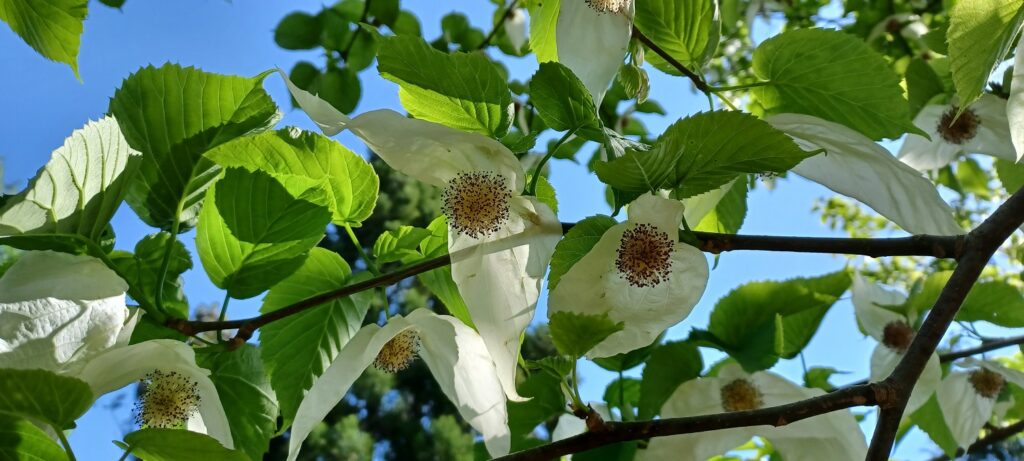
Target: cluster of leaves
column 188, row 149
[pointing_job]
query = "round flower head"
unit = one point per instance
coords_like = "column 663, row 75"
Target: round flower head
column 834, row 436
column 592, row 37
column 454, row 353
column 968, row 397
column 639, row 274
column 500, row 241
column 894, row 332
column 168, row 400
column 981, row 128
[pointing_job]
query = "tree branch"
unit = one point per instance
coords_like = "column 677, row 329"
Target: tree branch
column 986, row 346
column 993, row 437
column 697, row 80
column 920, row 245
column 499, row 23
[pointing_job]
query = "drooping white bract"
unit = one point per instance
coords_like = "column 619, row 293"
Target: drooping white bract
column 454, row 353
column 592, row 37
column 856, row 166
column 981, row 129
column 894, row 332
column 515, row 28
column 67, row 314
column 500, row 241
column 968, row 398
column 1015, row 105
column 58, row 309
column 833, row 436
column 184, row 392
column 639, row 274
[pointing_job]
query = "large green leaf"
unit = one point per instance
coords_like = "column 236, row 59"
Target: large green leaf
column 998, row 303
column 670, row 365
column 156, row 444
column 44, row 396
column 930, row 419
column 574, row 334
column 352, row 190
column 254, row 230
column 173, row 115
column 702, row 152
column 543, row 23
column 297, row 349
column 761, row 321
column 729, row 213
column 546, row 402
column 980, row 34
column 463, row 91
column 688, row 30
column 834, row 76
column 576, row 244
column 51, row 27
column 1010, row 174
column 22, row 440
column 142, row 270
column 79, row 189
column 561, row 99
column 245, row 392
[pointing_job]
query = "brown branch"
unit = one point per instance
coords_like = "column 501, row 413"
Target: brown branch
column 993, row 437
column 921, row 245
column 615, row 432
column 697, row 80
column 980, row 245
column 986, row 346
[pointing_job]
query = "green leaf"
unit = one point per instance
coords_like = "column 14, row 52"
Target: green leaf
column 173, row 115
column 178, row 445
column 728, row 215
column 546, row 194
column 439, row 281
column 297, row 349
column 44, row 396
column 254, row 230
column 245, row 392
column 543, row 23
column 702, row 152
column 298, row 31
column 22, row 440
column 834, row 76
column 399, row 244
column 79, row 189
column 575, row 334
column 352, row 183
column 688, row 30
column 561, row 99
column 341, row 88
column 745, row 323
column 998, row 303
column 623, row 393
column 51, row 27
column 576, row 244
column 818, row 377
column 924, row 294
column 463, row 91
column 622, row 451
column 627, row 360
column 980, row 35
column 930, row 419
column 546, row 403
column 922, row 84
column 670, row 365
column 1010, row 174
column 142, row 270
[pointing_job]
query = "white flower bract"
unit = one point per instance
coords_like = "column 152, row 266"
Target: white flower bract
column 639, row 274
column 961, row 396
column 592, row 38
column 455, row 355
column 981, row 129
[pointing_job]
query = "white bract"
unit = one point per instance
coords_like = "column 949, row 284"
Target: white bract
column 639, row 274
column 856, row 166
column 67, row 314
column 500, row 241
column 515, row 28
column 833, row 436
column 981, row 129
column 968, row 398
column 454, row 353
column 1015, row 105
column 592, row 37
column 894, row 332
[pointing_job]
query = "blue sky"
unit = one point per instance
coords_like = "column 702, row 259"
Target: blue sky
column 44, row 103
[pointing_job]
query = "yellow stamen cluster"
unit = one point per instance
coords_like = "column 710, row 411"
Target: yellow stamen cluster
column 987, row 383
column 741, row 395
column 644, row 257
column 958, row 130
column 168, row 400
column 398, row 353
column 477, row 203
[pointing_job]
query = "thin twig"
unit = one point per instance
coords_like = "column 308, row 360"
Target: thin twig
column 497, row 25
column 696, row 79
column 993, row 437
